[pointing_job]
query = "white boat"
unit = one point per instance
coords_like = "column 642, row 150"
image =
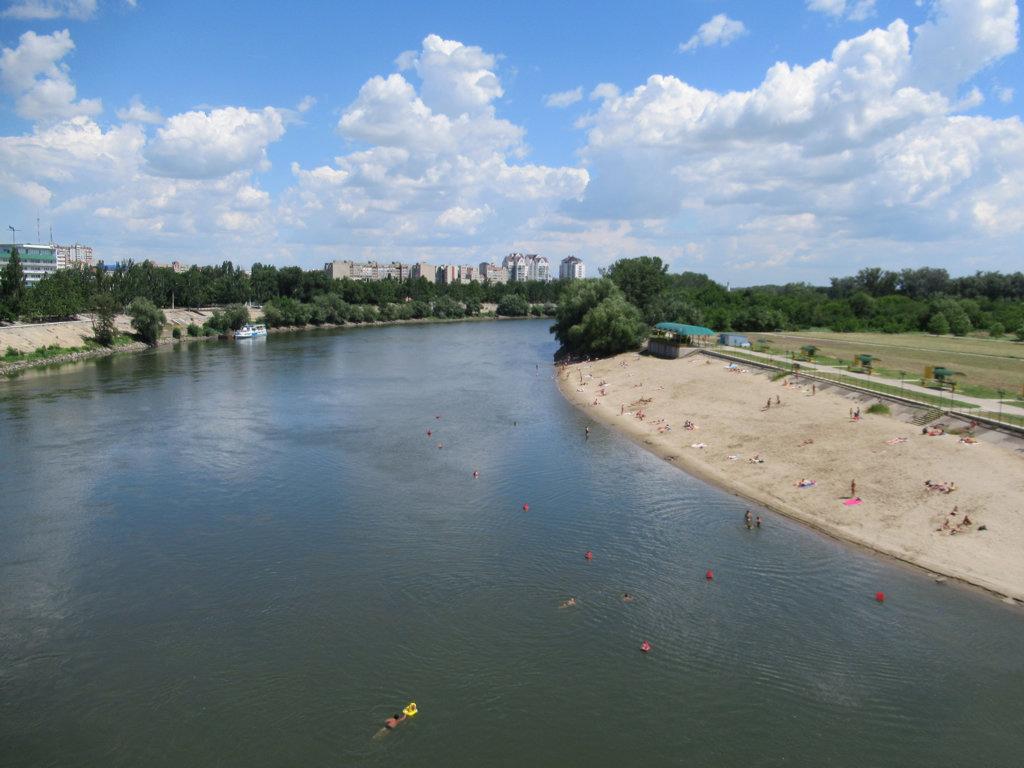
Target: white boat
column 250, row 331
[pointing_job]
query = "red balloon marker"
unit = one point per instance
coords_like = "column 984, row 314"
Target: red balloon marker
column 880, row 597
column 589, row 555
column 526, row 507
column 709, row 575
column 645, row 647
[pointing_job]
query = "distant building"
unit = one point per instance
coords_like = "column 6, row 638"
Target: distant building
column 342, row 269
column 469, row 274
column 73, row 256
column 572, row 268
column 492, row 273
column 448, row 274
column 526, row 266
column 422, row 269
column 37, row 261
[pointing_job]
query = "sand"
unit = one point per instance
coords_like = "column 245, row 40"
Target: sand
column 813, row 437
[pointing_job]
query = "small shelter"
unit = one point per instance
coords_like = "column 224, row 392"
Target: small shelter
column 670, row 338
column 734, row 340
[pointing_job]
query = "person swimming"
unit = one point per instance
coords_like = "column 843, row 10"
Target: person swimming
column 627, row 598
column 748, row 518
column 570, row 603
column 395, row 720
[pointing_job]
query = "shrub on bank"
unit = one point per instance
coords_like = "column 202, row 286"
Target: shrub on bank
column 176, row 332
column 192, row 329
column 879, row 408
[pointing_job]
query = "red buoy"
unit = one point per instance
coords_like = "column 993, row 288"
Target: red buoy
column 526, row 507
column 880, row 597
column 589, row 555
column 645, row 647
column 709, row 575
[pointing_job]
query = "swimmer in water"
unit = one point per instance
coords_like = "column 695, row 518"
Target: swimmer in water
column 758, row 523
column 627, row 598
column 748, row 519
column 570, row 603
column 391, row 723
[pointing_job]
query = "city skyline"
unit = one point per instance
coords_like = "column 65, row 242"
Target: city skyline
column 755, row 144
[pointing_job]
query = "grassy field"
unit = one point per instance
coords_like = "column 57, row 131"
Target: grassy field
column 988, row 364
column 875, row 385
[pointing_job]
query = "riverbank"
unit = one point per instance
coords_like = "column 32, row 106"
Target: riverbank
column 75, row 333
column 811, row 436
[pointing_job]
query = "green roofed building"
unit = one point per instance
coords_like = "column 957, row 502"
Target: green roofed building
column 669, row 339
column 37, row 261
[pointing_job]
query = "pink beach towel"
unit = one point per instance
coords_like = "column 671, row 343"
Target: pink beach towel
column 852, row 502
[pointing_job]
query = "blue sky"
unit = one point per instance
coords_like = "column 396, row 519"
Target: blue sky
column 756, row 142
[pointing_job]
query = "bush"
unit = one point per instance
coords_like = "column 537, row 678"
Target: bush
column 176, row 332
column 147, row 319
column 997, row 330
column 879, row 408
column 103, row 328
column 446, row 308
column 192, row 329
column 12, row 352
column 536, row 310
column 208, row 331
column 938, row 324
column 513, row 305
column 1020, row 333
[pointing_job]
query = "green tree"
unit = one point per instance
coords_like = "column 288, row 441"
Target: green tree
column 938, row 324
column 104, row 310
column 613, row 326
column 513, row 305
column 12, row 283
column 997, row 330
column 147, row 319
column 1020, row 333
column 640, row 279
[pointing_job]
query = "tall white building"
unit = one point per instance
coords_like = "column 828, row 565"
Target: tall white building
column 572, row 268
column 73, row 255
column 37, row 261
column 527, row 266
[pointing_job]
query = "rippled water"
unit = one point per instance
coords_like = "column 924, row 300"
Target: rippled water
column 251, row 554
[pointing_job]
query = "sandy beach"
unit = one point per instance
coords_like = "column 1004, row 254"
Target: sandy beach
column 811, row 436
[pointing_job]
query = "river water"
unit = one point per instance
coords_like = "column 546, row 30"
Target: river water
column 251, row 554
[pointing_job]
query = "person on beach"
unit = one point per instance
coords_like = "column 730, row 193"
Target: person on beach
column 853, row 489
column 814, row 389
column 777, row 400
column 768, row 404
column 748, row 519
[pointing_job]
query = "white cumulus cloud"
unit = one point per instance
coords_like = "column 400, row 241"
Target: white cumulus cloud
column 205, row 145
column 137, row 112
column 41, row 85
column 718, row 30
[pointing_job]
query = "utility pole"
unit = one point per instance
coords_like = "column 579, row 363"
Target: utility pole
column 14, row 235
column 38, row 236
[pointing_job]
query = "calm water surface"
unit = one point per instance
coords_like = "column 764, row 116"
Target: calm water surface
column 251, row 554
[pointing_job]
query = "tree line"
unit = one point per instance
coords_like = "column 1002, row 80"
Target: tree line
column 614, row 313
column 69, row 292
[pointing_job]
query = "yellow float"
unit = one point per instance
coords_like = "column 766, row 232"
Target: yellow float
column 410, row 710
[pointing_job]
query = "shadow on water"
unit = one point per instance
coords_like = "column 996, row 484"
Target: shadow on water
column 223, row 554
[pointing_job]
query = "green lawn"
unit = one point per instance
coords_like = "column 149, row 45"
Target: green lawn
column 12, row 355
column 988, row 364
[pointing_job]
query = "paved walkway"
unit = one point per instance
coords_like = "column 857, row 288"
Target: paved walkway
column 986, row 404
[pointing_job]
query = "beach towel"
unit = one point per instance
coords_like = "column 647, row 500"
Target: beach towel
column 896, row 441
column 699, row 445
column 811, row 484
column 852, row 502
